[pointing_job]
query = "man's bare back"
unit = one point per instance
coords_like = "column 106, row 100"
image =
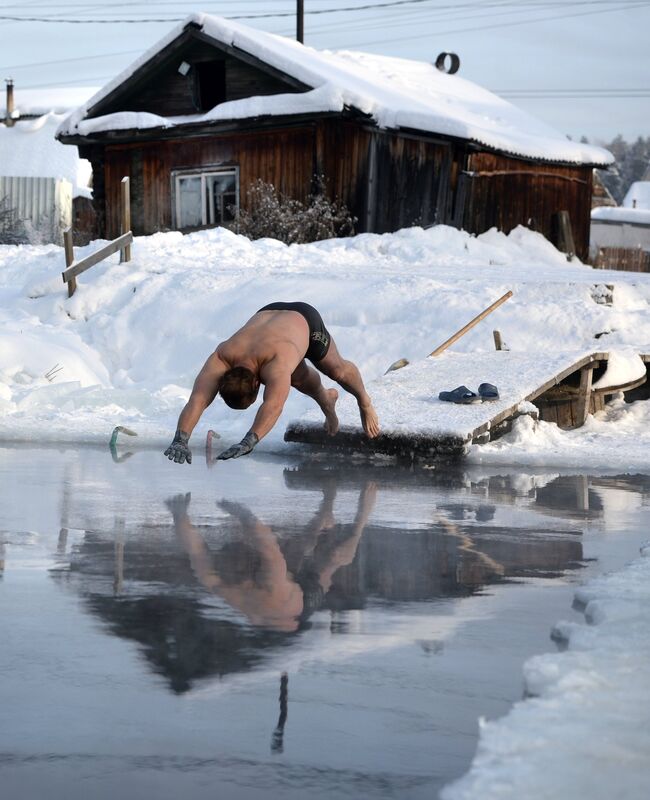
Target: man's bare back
column 271, row 349
column 268, row 335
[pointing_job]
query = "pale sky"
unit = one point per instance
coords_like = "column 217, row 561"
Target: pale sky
column 582, row 66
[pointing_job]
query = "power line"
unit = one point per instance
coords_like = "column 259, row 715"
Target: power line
column 70, row 60
column 313, row 12
column 365, row 7
column 507, row 24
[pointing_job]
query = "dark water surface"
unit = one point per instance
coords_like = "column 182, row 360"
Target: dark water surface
column 277, row 628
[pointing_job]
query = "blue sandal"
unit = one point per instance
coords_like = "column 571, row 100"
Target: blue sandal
column 488, row 391
column 461, row 395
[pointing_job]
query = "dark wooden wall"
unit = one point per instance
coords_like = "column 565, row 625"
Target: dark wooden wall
column 341, row 155
column 168, row 93
column 387, row 180
column 283, row 158
column 502, row 192
column 412, row 182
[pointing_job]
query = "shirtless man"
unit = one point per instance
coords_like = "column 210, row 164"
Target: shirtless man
column 271, row 349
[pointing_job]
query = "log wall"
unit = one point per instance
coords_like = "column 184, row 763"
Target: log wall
column 504, row 192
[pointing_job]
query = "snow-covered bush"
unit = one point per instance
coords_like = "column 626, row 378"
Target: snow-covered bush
column 271, row 214
column 12, row 228
column 15, row 230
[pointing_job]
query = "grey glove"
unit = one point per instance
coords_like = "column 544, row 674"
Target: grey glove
column 179, row 451
column 245, row 446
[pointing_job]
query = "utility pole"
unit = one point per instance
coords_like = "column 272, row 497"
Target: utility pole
column 300, row 21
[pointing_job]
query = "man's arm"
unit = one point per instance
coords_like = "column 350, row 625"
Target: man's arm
column 277, row 382
column 203, row 393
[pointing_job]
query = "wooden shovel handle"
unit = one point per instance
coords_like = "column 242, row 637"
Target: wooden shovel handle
column 471, row 324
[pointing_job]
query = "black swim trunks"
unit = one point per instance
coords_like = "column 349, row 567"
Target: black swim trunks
column 319, row 337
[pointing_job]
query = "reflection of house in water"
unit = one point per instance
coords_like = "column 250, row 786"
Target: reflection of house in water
column 181, row 593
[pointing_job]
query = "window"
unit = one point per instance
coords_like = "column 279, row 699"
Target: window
column 203, row 199
column 210, row 84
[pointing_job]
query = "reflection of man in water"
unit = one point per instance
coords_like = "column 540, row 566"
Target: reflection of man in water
column 251, row 574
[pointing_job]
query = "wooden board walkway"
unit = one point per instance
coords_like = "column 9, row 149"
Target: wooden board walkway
column 417, row 425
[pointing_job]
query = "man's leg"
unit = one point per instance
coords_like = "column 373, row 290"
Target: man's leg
column 346, row 374
column 307, row 380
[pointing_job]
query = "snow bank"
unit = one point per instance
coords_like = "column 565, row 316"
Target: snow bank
column 134, row 335
column 586, row 731
column 395, row 92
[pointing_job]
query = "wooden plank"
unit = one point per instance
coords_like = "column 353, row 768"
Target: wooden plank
column 94, row 258
column 443, row 446
column 622, row 387
column 584, row 396
column 69, row 259
column 403, row 446
column 558, row 378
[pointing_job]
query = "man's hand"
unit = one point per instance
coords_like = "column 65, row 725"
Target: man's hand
column 179, row 451
column 245, row 446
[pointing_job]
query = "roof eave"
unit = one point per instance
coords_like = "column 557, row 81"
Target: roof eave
column 200, row 129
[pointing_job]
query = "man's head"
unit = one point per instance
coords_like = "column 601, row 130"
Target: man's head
column 239, row 387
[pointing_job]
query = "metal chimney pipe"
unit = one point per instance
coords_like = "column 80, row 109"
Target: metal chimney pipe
column 9, row 120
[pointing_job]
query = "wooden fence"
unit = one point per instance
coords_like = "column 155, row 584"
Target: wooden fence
column 122, row 243
column 627, row 259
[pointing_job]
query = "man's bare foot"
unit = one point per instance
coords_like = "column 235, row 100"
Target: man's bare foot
column 328, row 407
column 369, row 420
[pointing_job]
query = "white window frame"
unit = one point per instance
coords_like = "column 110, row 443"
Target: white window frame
column 207, row 206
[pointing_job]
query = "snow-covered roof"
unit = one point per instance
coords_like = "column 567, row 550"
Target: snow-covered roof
column 36, row 102
column 638, row 195
column 620, row 214
column 29, row 149
column 395, row 92
column 634, row 211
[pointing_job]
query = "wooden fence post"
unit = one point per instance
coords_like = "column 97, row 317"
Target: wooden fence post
column 69, row 258
column 125, row 254
column 498, row 341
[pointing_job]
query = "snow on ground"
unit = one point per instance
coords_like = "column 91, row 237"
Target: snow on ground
column 586, row 730
column 131, row 340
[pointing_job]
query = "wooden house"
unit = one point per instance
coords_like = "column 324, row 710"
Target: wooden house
column 217, row 105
